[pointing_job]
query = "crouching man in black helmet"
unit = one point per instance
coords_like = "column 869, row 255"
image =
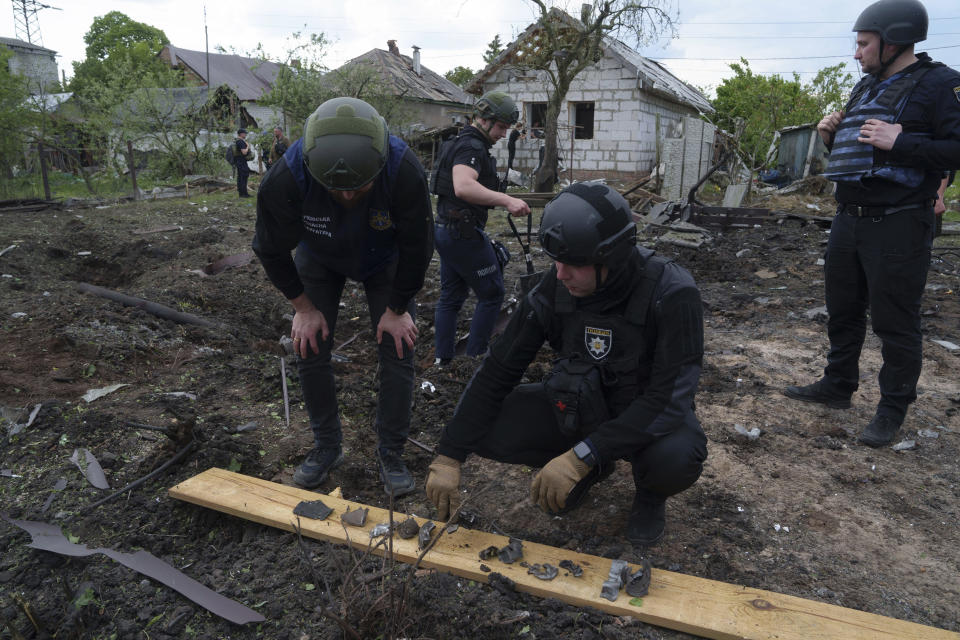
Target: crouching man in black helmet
column 890, row 149
column 353, row 201
column 467, row 184
column 627, row 328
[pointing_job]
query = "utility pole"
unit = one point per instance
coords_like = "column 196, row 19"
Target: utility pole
column 25, row 22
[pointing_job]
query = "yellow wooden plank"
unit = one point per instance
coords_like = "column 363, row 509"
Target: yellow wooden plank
column 694, row 605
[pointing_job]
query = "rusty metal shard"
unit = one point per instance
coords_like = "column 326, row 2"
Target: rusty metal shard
column 314, row 509
column 93, row 471
column 638, row 583
column 488, row 553
column 512, row 552
column 575, row 570
column 48, row 537
column 543, row 571
column 425, row 532
column 355, row 518
column 408, row 528
column 611, row 587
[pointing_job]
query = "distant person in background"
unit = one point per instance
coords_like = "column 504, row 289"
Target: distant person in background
column 940, row 206
column 889, row 151
column 241, row 151
column 517, row 133
column 279, row 147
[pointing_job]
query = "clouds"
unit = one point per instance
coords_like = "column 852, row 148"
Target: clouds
column 457, row 33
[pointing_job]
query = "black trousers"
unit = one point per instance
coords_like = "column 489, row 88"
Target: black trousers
column 395, row 398
column 526, row 432
column 243, row 174
column 880, row 263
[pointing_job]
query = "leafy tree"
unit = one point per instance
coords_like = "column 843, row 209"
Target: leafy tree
column 459, row 75
column 494, row 49
column 115, row 44
column 561, row 47
column 761, row 105
column 15, row 118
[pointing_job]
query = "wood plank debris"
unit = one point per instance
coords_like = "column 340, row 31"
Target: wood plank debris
column 693, row 605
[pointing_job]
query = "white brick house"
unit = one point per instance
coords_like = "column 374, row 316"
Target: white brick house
column 614, row 118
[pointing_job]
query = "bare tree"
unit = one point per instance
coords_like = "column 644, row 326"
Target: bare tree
column 561, row 46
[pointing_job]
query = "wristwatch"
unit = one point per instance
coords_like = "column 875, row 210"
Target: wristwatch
column 585, row 454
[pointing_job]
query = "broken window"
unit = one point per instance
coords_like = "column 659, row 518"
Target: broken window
column 582, row 120
column 536, row 117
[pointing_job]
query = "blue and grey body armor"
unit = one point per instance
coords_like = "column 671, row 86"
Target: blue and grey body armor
column 851, row 161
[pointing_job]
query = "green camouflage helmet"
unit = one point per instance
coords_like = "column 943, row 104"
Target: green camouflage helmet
column 497, row 105
column 345, row 144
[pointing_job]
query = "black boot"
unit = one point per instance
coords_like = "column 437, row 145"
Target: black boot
column 881, row 431
column 647, row 518
column 819, row 393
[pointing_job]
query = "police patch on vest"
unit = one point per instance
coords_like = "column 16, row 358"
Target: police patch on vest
column 598, row 341
column 956, row 92
column 380, row 220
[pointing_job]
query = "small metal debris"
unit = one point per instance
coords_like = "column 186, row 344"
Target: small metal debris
column 314, row 509
column 408, row 528
column 946, row 344
column 512, row 552
column 381, row 529
column 575, row 570
column 639, row 582
column 355, row 518
column 488, row 553
column 248, row 426
column 425, row 531
column 905, row 445
column 90, row 468
column 485, row 568
column 543, row 571
column 426, row 385
column 611, row 586
column 452, row 528
column 928, row 433
column 8, row 473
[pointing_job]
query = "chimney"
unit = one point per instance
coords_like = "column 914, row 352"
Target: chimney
column 416, row 60
column 392, row 46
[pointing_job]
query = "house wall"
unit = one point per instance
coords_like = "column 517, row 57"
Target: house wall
column 39, row 66
column 432, row 115
column 629, row 123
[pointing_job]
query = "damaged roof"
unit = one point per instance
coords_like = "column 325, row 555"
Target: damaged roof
column 14, row 43
column 248, row 77
column 397, row 70
column 651, row 76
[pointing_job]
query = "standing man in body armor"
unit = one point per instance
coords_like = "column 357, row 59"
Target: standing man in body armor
column 353, row 201
column 890, row 148
column 627, row 328
column 467, row 184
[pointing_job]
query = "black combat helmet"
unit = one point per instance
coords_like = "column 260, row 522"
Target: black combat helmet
column 588, row 224
column 497, row 105
column 897, row 21
column 345, row 144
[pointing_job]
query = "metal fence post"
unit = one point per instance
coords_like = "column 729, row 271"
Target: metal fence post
column 133, row 170
column 43, row 171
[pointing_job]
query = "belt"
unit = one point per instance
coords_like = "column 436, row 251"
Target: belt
column 859, row 211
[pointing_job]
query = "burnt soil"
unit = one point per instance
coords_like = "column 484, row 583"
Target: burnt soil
column 803, row 509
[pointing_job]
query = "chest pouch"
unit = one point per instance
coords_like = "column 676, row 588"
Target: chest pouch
column 575, row 390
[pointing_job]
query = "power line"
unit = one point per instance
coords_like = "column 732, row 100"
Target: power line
column 803, row 22
column 844, row 55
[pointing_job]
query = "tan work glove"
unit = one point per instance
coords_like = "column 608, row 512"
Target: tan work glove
column 553, row 483
column 443, row 485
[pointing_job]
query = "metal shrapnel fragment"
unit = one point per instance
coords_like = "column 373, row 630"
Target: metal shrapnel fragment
column 452, row 528
column 313, row 509
column 408, row 528
column 381, row 529
column 484, row 568
column 425, row 530
column 575, row 570
column 512, row 552
column 489, row 552
column 355, row 518
column 639, row 582
column 543, row 571
column 611, row 587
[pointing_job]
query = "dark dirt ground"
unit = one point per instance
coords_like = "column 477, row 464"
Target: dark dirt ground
column 803, row 510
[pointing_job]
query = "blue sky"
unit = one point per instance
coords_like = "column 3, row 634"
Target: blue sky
column 775, row 36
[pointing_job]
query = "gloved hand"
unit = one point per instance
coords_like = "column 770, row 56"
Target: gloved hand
column 443, row 485
column 553, row 483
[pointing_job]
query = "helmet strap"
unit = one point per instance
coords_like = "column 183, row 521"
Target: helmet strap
column 884, row 65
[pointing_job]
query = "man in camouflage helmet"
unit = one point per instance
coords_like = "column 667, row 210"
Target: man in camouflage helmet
column 467, row 186
column 353, row 200
column 890, row 149
column 627, row 331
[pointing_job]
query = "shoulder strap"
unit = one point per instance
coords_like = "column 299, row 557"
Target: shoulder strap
column 642, row 296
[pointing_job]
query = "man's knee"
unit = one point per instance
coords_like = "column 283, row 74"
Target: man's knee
column 671, row 464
